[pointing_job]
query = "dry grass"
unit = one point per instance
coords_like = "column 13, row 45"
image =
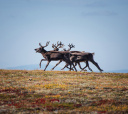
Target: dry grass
column 37, row 91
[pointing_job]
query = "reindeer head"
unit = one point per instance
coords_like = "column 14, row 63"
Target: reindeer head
column 41, row 48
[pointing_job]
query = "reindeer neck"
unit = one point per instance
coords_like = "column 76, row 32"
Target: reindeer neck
column 43, row 52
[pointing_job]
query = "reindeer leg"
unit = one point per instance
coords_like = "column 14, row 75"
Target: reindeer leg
column 65, row 66
column 56, row 64
column 74, row 67
column 80, row 66
column 72, row 63
column 88, row 66
column 67, row 60
column 47, row 65
column 68, row 67
column 71, row 67
column 72, row 60
column 75, row 63
column 96, row 64
column 85, row 66
column 41, row 61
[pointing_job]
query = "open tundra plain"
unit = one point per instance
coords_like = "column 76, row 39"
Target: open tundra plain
column 36, row 91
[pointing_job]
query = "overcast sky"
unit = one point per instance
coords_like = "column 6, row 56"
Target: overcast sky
column 99, row 26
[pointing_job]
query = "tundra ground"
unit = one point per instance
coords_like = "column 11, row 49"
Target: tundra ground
column 36, row 91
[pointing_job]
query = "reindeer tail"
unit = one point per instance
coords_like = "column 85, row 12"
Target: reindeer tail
column 93, row 53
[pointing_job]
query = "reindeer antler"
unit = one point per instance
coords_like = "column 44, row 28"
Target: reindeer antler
column 57, row 46
column 40, row 45
column 53, row 45
column 47, row 43
column 61, row 45
column 71, row 46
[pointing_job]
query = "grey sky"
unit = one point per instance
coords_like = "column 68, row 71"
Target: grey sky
column 98, row 26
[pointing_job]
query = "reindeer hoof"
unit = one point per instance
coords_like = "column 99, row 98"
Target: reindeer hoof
column 101, row 70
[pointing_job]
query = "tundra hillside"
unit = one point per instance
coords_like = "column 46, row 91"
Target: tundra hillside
column 36, row 91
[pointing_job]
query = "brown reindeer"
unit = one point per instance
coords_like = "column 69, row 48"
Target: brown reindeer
column 81, row 57
column 54, row 55
column 78, row 56
column 70, row 47
column 55, row 48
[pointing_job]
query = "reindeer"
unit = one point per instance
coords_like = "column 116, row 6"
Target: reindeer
column 54, row 55
column 55, row 47
column 70, row 47
column 81, row 57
